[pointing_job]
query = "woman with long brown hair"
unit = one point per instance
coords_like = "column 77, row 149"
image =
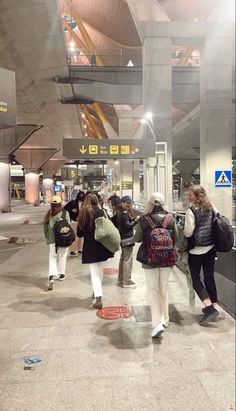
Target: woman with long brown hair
column 94, row 253
column 198, row 230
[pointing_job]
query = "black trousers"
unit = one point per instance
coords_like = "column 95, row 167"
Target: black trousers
column 206, row 262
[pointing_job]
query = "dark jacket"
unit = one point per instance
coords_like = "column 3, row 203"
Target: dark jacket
column 158, row 216
column 93, row 251
column 125, row 224
column 73, row 209
column 202, row 235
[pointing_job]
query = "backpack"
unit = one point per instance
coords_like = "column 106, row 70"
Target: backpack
column 159, row 245
column 64, row 233
column 222, row 232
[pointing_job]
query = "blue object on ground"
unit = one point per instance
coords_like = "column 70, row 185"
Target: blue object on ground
column 32, row 360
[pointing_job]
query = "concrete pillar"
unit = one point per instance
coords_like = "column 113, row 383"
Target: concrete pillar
column 32, row 188
column 125, row 127
column 130, row 177
column 49, row 169
column 48, row 190
column 157, row 96
column 216, row 118
column 5, row 192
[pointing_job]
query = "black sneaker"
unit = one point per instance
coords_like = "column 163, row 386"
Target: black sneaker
column 74, row 254
column 98, row 303
column 209, row 315
column 204, row 309
column 62, row 277
column 51, row 283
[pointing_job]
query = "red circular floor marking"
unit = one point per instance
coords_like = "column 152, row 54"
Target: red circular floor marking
column 110, row 271
column 114, row 313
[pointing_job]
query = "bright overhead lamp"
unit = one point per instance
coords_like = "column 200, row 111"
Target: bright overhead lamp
column 148, row 115
column 72, row 45
column 143, row 121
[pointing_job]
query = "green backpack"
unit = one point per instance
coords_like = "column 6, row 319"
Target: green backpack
column 107, row 234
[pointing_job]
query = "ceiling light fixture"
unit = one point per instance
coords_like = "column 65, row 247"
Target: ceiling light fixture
column 148, row 115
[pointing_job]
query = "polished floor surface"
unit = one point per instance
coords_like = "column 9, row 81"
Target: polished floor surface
column 93, row 364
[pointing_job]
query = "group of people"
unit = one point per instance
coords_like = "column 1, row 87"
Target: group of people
column 157, row 232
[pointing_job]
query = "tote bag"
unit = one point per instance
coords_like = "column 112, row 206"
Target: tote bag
column 107, row 234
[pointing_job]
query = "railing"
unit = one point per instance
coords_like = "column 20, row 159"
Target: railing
column 108, row 60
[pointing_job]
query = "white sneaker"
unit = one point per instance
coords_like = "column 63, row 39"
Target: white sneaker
column 51, row 283
column 131, row 284
column 157, row 331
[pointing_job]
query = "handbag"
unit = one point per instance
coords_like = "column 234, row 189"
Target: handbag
column 107, row 234
column 142, row 254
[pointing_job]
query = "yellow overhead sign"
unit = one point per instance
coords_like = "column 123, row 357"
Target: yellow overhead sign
column 107, row 149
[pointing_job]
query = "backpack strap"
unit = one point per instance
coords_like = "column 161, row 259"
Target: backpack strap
column 150, row 221
column 63, row 214
column 166, row 220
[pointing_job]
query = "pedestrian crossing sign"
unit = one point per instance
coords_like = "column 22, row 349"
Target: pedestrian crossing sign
column 223, row 178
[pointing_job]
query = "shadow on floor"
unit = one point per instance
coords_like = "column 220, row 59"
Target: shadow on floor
column 51, row 306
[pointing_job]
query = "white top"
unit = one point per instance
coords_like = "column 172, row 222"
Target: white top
column 189, row 227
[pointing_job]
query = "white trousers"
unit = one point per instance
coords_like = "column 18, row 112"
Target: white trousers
column 96, row 272
column 157, row 290
column 57, row 261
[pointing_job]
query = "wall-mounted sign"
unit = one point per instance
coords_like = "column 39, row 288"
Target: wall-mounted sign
column 126, row 185
column 115, row 187
column 69, row 173
column 223, row 178
column 107, row 149
column 7, row 98
column 57, row 188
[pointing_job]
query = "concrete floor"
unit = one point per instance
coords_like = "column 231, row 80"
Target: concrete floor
column 94, row 364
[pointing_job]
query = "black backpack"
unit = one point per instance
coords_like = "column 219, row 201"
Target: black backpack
column 64, row 233
column 222, row 232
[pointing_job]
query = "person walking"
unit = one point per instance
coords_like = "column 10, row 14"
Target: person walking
column 125, row 223
column 198, row 230
column 57, row 257
column 114, row 202
column 157, row 230
column 94, row 253
column 73, row 208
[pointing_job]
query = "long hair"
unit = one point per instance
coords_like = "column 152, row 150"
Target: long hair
column 201, row 198
column 86, row 214
column 55, row 209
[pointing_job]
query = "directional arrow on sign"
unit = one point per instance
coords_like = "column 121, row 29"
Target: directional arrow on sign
column 83, row 149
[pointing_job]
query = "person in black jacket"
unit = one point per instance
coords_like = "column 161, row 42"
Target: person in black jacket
column 198, row 230
column 73, row 207
column 94, row 253
column 125, row 223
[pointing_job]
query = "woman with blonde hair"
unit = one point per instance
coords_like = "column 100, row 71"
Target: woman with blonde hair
column 94, row 253
column 158, row 233
column 198, row 230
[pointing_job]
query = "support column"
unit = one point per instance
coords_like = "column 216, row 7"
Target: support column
column 125, row 127
column 32, row 160
column 10, row 139
column 130, row 178
column 48, row 190
column 157, row 96
column 49, row 169
column 5, row 183
column 216, row 119
column 32, row 188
